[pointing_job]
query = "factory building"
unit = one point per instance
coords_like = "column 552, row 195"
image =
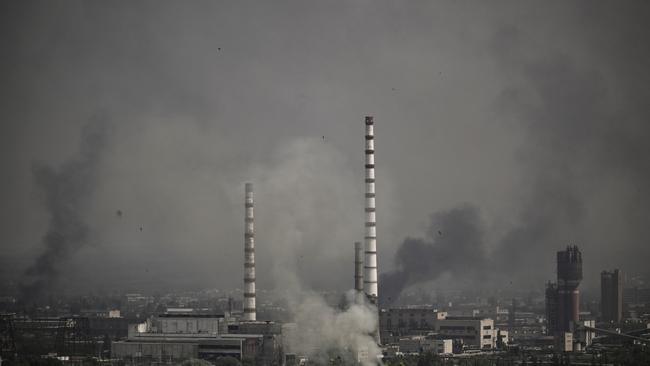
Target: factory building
column 473, row 332
column 611, row 296
column 395, row 322
column 477, row 332
column 173, row 337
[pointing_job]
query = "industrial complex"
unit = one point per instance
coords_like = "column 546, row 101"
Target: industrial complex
column 148, row 330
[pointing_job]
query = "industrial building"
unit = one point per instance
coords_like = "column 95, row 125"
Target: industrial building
column 611, row 296
column 472, row 332
column 173, row 337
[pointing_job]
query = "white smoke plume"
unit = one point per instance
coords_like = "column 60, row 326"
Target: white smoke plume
column 309, row 210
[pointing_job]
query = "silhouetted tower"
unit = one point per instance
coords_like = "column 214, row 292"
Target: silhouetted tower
column 551, row 308
column 569, row 275
column 611, row 296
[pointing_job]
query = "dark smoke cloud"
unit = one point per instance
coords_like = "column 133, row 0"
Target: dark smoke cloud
column 585, row 159
column 65, row 193
column 584, row 171
column 453, row 239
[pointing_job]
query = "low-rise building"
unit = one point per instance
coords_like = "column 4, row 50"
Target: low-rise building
column 177, row 336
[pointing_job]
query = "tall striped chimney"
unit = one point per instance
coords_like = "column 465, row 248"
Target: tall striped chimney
column 370, row 239
column 250, row 313
column 358, row 267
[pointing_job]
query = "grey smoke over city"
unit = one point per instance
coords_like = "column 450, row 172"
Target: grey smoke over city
column 504, row 131
column 65, row 192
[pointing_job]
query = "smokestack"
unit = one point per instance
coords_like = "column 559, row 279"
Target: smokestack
column 370, row 239
column 358, row 266
column 250, row 313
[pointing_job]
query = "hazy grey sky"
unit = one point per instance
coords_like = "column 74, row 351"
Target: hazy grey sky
column 533, row 116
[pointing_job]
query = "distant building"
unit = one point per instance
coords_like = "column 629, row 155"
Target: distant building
column 611, row 296
column 569, row 276
column 397, row 324
column 551, row 308
column 477, row 332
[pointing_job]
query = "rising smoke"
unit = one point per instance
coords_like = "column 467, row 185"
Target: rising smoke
column 453, row 239
column 324, row 332
column 65, row 192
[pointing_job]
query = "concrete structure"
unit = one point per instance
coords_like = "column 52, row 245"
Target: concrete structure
column 171, row 338
column 250, row 313
column 370, row 239
column 191, row 324
column 611, row 296
column 438, row 346
column 569, row 275
column 358, row 267
column 476, row 332
column 397, row 322
column 420, row 344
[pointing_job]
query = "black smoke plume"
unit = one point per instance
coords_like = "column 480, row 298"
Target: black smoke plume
column 453, row 239
column 65, row 192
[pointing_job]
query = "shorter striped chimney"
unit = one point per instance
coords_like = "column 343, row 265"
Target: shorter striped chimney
column 358, row 266
column 250, row 313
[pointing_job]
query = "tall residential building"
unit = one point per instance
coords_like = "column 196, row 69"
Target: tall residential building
column 611, row 296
